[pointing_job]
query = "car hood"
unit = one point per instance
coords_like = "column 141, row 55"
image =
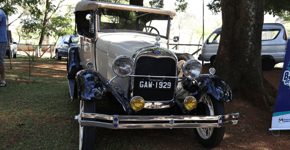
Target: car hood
column 125, row 43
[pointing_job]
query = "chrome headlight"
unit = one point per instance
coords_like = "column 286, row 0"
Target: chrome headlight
column 192, row 69
column 123, row 66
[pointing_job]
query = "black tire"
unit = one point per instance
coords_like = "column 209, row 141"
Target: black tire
column 15, row 55
column 217, row 134
column 267, row 63
column 57, row 57
column 88, row 131
column 212, row 59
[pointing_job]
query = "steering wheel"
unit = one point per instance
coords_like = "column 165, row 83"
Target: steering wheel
column 150, row 29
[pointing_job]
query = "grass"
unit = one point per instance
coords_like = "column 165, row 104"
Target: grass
column 36, row 111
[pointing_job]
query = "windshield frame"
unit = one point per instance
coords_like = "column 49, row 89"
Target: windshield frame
column 132, row 31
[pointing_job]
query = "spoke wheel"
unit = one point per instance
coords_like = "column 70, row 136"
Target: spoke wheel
column 206, row 133
column 87, row 133
column 81, row 128
column 210, row 137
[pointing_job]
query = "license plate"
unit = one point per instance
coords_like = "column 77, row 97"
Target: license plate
column 165, row 84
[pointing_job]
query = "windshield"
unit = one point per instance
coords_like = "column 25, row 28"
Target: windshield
column 120, row 20
column 214, row 38
column 74, row 39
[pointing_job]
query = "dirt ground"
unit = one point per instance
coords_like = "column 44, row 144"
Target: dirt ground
column 252, row 131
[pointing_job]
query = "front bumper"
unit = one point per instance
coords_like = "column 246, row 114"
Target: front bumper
column 156, row 122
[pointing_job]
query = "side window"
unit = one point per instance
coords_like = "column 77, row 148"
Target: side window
column 74, row 39
column 214, row 38
column 270, row 34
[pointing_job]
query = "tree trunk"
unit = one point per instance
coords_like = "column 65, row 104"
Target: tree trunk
column 136, row 2
column 238, row 60
column 45, row 20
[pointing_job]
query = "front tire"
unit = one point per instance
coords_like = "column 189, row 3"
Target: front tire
column 57, row 57
column 15, row 55
column 87, row 133
column 210, row 137
column 212, row 59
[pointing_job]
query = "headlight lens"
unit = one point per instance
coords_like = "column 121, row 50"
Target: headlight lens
column 190, row 102
column 192, row 69
column 137, row 103
column 123, row 66
column 90, row 65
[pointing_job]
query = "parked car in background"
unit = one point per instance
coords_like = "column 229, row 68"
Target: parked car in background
column 125, row 76
column 13, row 46
column 63, row 44
column 274, row 41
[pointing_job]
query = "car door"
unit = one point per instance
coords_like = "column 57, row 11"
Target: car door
column 211, row 45
column 65, row 43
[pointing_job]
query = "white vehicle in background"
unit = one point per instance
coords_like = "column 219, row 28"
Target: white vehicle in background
column 274, row 41
column 13, row 46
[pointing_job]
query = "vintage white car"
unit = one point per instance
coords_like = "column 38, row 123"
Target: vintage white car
column 125, row 77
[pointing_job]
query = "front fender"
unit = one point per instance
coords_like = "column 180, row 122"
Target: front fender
column 89, row 85
column 215, row 86
column 92, row 85
column 73, row 62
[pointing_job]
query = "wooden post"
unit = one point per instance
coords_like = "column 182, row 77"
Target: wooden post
column 50, row 51
column 36, row 51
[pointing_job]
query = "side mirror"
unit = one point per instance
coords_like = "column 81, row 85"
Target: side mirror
column 65, row 42
column 176, row 38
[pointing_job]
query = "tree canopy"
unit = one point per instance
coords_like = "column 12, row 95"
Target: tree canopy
column 281, row 8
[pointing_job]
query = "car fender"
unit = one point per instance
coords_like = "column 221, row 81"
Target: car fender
column 91, row 85
column 73, row 62
column 214, row 86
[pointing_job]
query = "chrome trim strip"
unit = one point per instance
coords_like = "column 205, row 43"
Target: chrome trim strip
column 274, row 44
column 149, row 76
column 155, row 122
column 113, row 78
column 158, row 105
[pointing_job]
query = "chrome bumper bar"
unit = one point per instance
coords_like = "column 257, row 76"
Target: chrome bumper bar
column 156, row 122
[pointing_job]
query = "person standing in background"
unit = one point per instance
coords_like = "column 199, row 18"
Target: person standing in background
column 3, row 44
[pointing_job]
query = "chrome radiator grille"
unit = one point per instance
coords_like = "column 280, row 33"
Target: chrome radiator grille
column 155, row 89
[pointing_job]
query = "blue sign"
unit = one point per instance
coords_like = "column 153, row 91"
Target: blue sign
column 281, row 115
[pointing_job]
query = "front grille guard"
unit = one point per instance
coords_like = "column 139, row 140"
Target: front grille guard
column 156, row 122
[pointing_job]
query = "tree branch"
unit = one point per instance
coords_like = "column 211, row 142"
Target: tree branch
column 15, row 19
column 55, row 10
